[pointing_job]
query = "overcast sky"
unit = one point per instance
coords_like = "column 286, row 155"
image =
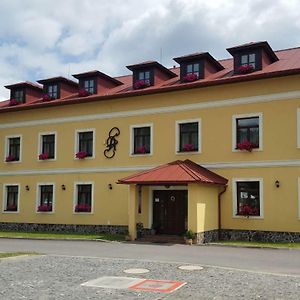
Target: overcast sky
column 46, row 38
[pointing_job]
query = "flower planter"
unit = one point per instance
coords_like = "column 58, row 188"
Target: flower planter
column 81, row 154
column 13, row 102
column 44, row 156
column 10, row 158
column 83, row 93
column 141, row 84
column 45, row 208
column 246, row 145
column 188, row 147
column 245, row 69
column 190, row 77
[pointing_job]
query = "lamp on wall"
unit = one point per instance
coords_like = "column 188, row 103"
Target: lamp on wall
column 27, row 188
column 277, row 183
column 63, row 187
column 110, row 186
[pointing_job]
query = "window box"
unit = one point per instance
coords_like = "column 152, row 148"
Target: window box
column 246, row 145
column 83, row 208
column 141, row 84
column 44, row 156
column 81, row 155
column 47, row 98
column 190, row 77
column 10, row 158
column 245, row 69
column 11, row 208
column 189, row 147
column 44, row 208
column 248, row 210
column 142, row 150
column 83, row 93
column 13, row 102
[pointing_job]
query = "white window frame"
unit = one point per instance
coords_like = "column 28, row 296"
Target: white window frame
column 260, row 132
column 177, row 137
column 298, row 127
column 5, row 197
column 234, row 198
column 75, row 197
column 6, row 152
column 76, row 144
column 38, row 195
column 41, row 134
column 131, row 139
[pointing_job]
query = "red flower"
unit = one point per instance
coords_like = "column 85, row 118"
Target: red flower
column 141, row 84
column 190, row 77
column 83, row 208
column 189, row 147
column 246, row 145
column 46, row 98
column 247, row 210
column 13, row 102
column 83, row 93
column 43, row 156
column 245, row 69
column 45, row 207
column 10, row 158
column 81, row 154
column 141, row 150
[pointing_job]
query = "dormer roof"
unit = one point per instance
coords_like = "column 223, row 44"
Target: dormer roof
column 96, row 73
column 255, row 45
column 151, row 64
column 58, row 79
column 24, row 84
column 199, row 56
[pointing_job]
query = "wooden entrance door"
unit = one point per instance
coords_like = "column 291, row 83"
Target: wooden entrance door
column 170, row 211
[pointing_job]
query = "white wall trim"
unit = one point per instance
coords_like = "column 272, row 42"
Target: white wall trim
column 131, row 139
column 5, row 197
column 178, row 122
column 38, row 196
column 217, row 165
column 159, row 188
column 260, row 124
column 6, row 152
column 234, row 198
column 76, row 141
column 40, row 145
column 75, row 198
column 160, row 110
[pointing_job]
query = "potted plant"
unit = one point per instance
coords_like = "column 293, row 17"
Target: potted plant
column 139, row 229
column 141, row 84
column 246, row 145
column 189, row 237
column 81, row 154
column 44, row 156
column 83, row 93
column 13, row 102
column 190, row 77
column 245, row 69
column 188, row 147
column 10, row 158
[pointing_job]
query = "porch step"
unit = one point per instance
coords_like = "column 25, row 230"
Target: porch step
column 162, row 238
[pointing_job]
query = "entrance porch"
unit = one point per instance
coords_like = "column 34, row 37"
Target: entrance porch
column 174, row 198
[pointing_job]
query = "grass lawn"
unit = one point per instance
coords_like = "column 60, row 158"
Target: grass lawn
column 11, row 254
column 59, row 235
column 260, row 244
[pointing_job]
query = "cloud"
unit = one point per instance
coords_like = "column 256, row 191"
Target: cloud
column 40, row 39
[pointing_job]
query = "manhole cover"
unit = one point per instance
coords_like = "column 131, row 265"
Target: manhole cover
column 163, row 286
column 190, row 268
column 113, row 282
column 136, row 271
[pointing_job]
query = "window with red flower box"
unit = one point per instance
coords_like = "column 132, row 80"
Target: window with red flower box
column 45, row 201
column 83, row 198
column 142, row 140
column 11, row 198
column 13, row 149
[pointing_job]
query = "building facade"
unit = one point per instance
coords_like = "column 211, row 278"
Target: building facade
column 210, row 146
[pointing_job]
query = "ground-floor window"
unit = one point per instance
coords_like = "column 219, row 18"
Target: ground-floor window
column 45, row 198
column 247, row 197
column 11, row 198
column 83, row 201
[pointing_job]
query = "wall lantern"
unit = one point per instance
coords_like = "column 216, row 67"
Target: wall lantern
column 110, row 186
column 277, row 183
column 27, row 187
column 63, row 187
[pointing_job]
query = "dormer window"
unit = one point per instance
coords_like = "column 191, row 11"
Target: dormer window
column 145, row 76
column 19, row 96
column 248, row 59
column 52, row 91
column 90, row 86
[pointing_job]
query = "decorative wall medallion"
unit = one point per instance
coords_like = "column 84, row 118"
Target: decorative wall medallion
column 111, row 143
column 172, row 198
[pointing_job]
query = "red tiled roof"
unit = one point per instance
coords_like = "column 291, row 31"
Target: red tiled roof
column 177, row 172
column 288, row 64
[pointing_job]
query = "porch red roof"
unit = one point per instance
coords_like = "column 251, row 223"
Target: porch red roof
column 176, row 172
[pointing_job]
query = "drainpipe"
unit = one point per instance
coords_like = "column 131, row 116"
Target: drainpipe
column 219, row 210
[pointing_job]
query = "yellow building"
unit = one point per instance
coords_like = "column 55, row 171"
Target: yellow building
column 211, row 146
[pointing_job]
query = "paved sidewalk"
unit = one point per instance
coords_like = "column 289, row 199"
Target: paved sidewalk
column 60, row 277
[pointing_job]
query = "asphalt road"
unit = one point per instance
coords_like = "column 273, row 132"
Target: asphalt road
column 275, row 261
